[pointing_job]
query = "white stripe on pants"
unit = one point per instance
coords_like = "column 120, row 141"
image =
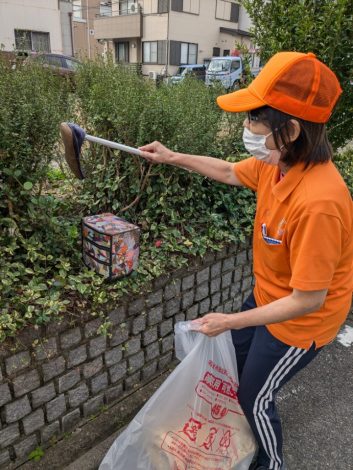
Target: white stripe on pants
column 262, row 421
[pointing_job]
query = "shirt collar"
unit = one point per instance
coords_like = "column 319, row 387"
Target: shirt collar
column 284, row 187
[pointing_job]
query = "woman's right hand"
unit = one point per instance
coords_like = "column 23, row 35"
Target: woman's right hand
column 156, row 153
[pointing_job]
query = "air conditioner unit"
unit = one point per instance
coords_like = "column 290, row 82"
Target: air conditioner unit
column 133, row 8
column 153, row 75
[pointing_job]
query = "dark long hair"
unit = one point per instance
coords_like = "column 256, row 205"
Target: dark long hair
column 312, row 145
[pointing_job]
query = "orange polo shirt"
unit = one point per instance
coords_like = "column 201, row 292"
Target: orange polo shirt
column 302, row 239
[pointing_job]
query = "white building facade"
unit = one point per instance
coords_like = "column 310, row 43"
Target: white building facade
column 164, row 34
column 36, row 25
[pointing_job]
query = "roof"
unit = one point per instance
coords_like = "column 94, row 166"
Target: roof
column 234, row 32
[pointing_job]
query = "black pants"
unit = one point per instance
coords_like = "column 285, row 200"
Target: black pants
column 265, row 364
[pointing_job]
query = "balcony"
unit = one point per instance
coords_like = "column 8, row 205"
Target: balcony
column 121, row 26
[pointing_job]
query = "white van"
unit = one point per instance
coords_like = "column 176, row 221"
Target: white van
column 228, row 70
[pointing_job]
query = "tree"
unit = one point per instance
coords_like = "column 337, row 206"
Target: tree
column 324, row 27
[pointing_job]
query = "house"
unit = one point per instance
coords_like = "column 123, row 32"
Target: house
column 157, row 36
column 164, row 34
column 36, row 25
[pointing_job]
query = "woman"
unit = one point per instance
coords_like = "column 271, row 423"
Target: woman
column 302, row 243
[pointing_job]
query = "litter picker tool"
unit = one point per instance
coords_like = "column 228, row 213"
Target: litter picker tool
column 73, row 137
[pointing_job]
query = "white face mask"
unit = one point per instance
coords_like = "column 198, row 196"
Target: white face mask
column 255, row 144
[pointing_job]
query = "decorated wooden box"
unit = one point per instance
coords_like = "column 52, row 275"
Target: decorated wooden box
column 110, row 245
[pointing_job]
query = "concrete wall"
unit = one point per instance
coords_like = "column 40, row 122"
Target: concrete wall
column 34, row 15
column 155, row 27
column 56, row 377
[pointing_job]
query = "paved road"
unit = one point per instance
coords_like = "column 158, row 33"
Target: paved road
column 317, row 410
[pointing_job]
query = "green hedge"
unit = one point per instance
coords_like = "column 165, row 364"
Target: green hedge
column 41, row 204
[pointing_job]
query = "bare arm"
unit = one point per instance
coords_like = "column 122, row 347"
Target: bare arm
column 213, row 168
column 296, row 304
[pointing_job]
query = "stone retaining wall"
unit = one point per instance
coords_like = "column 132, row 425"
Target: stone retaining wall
column 60, row 375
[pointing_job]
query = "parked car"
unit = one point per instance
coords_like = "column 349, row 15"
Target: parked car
column 228, row 70
column 196, row 70
column 60, row 64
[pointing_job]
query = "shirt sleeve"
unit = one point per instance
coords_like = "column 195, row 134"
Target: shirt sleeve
column 315, row 251
column 248, row 172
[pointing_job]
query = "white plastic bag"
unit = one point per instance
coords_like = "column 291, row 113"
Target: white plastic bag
column 193, row 421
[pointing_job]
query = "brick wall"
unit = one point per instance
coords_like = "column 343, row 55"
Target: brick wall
column 54, row 378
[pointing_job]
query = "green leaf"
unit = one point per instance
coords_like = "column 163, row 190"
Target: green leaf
column 28, row 185
column 36, row 454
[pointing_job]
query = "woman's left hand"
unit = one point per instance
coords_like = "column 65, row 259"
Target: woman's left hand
column 212, row 324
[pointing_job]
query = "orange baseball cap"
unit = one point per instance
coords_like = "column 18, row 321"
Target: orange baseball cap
column 292, row 82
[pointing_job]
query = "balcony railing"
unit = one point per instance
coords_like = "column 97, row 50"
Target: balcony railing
column 109, row 12
column 119, row 26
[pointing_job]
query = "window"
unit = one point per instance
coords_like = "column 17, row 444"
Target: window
column 163, row 6
column 226, row 52
column 186, row 6
column 123, row 7
column 77, row 9
column 127, row 6
column 183, row 53
column 234, row 12
column 23, row 40
column 188, row 53
column 195, row 71
column 162, row 52
column 53, row 60
column 105, row 8
column 198, row 71
column 71, row 64
column 219, row 65
column 235, row 65
column 155, row 52
column 216, row 52
column 150, row 52
column 122, row 51
column 177, row 5
column 40, row 42
column 227, row 10
column 32, row 40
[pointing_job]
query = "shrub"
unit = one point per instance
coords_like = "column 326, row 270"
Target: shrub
column 41, row 205
column 35, row 230
column 183, row 210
